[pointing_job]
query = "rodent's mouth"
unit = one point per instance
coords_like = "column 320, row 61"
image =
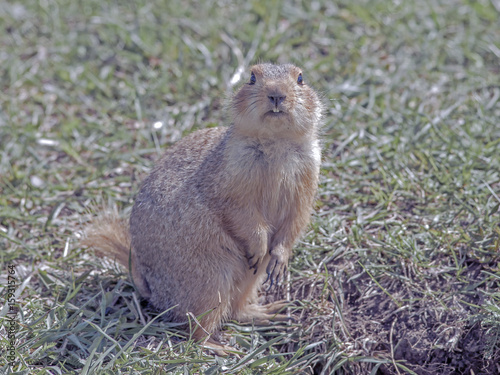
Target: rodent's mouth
column 275, row 113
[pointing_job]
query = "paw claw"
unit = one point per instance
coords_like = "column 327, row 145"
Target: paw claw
column 277, row 266
column 271, row 284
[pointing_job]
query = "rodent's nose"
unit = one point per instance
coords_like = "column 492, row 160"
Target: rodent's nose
column 276, row 99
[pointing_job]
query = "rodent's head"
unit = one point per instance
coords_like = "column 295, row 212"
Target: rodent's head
column 276, row 101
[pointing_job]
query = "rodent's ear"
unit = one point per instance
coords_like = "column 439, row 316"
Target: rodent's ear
column 252, row 79
column 300, row 80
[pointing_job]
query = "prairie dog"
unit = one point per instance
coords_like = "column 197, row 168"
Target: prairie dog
column 223, row 207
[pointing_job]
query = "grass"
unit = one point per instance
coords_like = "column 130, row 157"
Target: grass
column 399, row 270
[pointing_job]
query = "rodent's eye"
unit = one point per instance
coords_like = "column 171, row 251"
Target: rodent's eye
column 300, row 80
column 252, row 79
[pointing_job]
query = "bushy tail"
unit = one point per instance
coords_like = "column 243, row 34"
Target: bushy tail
column 109, row 236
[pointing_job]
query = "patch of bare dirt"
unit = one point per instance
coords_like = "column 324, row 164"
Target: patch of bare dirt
column 424, row 325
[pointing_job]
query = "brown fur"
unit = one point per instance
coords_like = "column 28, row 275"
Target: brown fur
column 223, row 207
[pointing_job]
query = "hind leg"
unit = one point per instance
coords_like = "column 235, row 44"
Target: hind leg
column 260, row 315
column 245, row 307
column 276, row 306
column 210, row 343
column 204, row 327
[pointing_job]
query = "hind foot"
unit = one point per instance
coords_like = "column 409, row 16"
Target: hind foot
column 218, row 348
column 276, row 306
column 262, row 315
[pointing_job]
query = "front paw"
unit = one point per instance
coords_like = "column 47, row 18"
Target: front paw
column 254, row 262
column 277, row 266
